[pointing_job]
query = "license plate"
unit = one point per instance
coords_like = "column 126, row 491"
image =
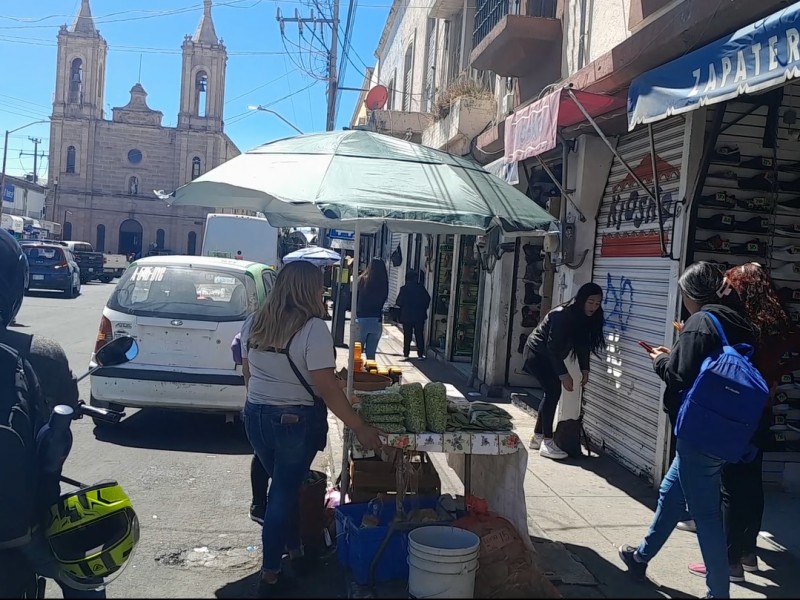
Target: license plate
column 37, row 277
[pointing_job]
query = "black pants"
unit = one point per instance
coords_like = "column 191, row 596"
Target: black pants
column 540, row 367
column 259, row 481
column 742, row 507
column 418, row 331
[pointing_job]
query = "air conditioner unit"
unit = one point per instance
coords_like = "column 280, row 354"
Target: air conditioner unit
column 507, row 104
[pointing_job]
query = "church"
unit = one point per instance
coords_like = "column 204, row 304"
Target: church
column 104, row 172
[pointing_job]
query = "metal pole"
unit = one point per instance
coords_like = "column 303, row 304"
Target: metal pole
column 333, row 82
column 603, row 137
column 3, row 177
column 277, row 114
column 348, row 435
column 36, row 142
column 657, row 191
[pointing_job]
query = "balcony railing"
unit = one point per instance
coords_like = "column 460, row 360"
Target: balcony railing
column 490, row 12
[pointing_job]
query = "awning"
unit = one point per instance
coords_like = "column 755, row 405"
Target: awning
column 532, row 130
column 508, row 172
column 754, row 59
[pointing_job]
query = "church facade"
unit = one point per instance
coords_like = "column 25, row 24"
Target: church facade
column 104, row 172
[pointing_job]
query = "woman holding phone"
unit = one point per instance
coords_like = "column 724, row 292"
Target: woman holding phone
column 572, row 329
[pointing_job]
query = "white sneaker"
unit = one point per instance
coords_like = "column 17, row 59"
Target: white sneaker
column 550, row 450
column 787, row 254
column 687, row 526
column 536, row 441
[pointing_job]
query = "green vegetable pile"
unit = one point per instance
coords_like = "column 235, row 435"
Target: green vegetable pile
column 436, row 407
column 413, row 396
column 384, row 409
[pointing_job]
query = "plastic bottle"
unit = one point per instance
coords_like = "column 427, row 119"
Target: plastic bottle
column 54, row 440
column 374, row 509
column 357, row 351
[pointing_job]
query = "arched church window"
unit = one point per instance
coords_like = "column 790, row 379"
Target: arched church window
column 75, row 80
column 201, row 93
column 195, row 167
column 70, row 160
column 133, row 186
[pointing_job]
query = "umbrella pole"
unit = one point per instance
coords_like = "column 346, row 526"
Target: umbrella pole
column 348, row 438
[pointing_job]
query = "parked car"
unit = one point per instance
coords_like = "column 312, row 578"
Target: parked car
column 91, row 262
column 52, row 267
column 114, row 266
column 184, row 311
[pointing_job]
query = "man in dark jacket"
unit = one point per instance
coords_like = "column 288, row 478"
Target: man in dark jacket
column 413, row 302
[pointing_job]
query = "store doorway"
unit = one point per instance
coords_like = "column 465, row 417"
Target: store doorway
column 130, row 237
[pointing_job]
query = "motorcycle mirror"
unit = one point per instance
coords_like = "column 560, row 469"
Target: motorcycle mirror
column 117, row 352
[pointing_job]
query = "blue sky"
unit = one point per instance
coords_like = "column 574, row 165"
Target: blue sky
column 259, row 70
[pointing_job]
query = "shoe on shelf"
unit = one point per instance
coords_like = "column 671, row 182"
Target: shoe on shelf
column 536, row 441
column 628, row 555
column 736, row 571
column 257, row 513
column 750, row 563
column 550, row 450
column 687, row 526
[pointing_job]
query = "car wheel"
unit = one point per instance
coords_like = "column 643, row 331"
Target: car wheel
column 106, row 278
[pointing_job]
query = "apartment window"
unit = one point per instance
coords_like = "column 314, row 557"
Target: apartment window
column 430, row 67
column 454, row 46
column 71, row 155
column 408, row 77
column 391, row 89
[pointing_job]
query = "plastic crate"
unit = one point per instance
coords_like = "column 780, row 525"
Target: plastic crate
column 357, row 546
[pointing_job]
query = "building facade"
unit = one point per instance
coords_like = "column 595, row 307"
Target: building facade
column 103, row 172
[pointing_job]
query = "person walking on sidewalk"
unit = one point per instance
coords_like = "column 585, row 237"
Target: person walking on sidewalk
column 413, row 302
column 742, row 482
column 576, row 329
column 373, row 290
column 288, row 365
column 694, row 478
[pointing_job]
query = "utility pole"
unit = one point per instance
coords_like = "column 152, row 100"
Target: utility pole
column 333, row 52
column 36, row 142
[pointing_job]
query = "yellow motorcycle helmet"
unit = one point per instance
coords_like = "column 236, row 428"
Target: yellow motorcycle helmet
column 92, row 533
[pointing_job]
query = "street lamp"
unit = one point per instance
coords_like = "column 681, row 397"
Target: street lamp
column 269, row 110
column 5, row 156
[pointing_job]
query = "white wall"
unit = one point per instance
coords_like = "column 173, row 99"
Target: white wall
column 28, row 203
column 605, row 26
column 409, row 27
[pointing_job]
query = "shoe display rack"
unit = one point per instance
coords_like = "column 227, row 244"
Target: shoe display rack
column 749, row 211
column 530, row 288
column 441, row 294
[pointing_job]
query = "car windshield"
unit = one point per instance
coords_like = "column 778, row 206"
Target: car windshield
column 44, row 255
column 199, row 293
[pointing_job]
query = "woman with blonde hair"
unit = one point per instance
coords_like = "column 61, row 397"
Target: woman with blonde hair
column 288, row 364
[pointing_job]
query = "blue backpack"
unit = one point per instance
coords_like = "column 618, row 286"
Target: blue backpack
column 720, row 413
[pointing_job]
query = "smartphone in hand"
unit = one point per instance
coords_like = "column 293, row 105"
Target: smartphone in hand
column 648, row 348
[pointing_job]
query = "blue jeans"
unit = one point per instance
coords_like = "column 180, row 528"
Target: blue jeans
column 693, row 480
column 369, row 334
column 286, row 449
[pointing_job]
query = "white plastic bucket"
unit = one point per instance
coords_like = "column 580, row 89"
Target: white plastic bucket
column 442, row 562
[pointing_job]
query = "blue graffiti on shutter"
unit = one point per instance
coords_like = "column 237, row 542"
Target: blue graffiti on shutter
column 618, row 302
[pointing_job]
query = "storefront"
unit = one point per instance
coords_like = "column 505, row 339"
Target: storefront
column 745, row 204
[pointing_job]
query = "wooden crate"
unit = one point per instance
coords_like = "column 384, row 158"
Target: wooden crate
column 372, row 476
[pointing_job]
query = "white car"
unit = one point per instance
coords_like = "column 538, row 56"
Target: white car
column 184, row 311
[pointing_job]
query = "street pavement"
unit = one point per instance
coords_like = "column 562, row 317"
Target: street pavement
column 187, row 474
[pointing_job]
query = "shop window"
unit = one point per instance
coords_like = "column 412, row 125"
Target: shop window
column 195, row 167
column 191, row 245
column 100, row 244
column 71, row 156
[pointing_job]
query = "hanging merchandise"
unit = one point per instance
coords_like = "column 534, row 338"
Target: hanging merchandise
column 466, row 300
column 397, row 257
column 748, row 211
column 622, row 411
column 440, row 305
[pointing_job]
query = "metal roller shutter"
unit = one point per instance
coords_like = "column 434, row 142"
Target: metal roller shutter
column 623, row 397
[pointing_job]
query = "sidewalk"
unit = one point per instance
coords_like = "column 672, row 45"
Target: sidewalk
column 580, row 511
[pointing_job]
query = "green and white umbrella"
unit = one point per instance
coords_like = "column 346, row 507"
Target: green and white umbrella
column 358, row 181
column 340, row 178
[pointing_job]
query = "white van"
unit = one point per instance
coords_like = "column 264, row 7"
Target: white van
column 242, row 238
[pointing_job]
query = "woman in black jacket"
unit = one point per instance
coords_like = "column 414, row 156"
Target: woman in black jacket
column 694, row 477
column 373, row 290
column 413, row 302
column 572, row 329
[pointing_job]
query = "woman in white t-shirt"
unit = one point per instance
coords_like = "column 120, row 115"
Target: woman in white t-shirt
column 288, row 365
